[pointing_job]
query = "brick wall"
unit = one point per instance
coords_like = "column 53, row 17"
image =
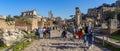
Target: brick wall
column 5, row 25
column 34, row 24
column 28, row 23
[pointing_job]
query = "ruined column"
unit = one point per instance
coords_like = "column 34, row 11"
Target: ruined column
column 78, row 17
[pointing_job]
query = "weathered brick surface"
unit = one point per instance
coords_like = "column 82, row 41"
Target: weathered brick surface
column 5, row 25
column 28, row 23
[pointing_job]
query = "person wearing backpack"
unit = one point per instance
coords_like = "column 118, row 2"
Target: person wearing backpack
column 84, row 36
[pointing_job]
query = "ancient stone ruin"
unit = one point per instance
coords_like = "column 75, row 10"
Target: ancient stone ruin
column 8, row 37
column 8, row 33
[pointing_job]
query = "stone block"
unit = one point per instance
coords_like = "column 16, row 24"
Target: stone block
column 113, row 24
column 3, row 30
column 104, row 26
column 10, row 37
column 5, row 34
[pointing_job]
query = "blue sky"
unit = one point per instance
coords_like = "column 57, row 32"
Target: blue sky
column 63, row 8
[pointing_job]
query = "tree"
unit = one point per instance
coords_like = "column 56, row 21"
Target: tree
column 55, row 22
column 110, row 15
column 17, row 17
column 118, row 16
column 9, row 18
column 72, row 16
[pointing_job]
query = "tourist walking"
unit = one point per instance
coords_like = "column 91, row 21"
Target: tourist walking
column 80, row 33
column 84, row 36
column 44, row 32
column 39, row 31
column 89, row 36
column 64, row 33
column 74, row 32
column 53, row 28
column 49, row 32
column 36, row 34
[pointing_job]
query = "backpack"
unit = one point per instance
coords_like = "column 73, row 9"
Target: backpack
column 86, row 29
column 64, row 32
column 83, row 32
column 36, row 33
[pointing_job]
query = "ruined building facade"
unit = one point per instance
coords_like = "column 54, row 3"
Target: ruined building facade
column 30, row 14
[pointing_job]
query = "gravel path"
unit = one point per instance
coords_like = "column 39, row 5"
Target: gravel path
column 60, row 44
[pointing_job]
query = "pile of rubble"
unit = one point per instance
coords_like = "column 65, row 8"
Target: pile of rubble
column 8, row 37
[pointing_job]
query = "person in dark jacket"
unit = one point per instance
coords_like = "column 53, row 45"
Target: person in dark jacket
column 44, row 32
column 64, row 33
column 89, row 36
column 73, row 32
column 49, row 32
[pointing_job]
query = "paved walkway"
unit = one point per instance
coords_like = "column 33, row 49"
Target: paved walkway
column 60, row 44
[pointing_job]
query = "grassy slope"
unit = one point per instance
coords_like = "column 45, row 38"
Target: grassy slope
column 115, row 37
column 107, row 46
column 19, row 46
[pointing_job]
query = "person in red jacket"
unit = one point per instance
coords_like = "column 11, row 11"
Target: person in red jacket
column 80, row 33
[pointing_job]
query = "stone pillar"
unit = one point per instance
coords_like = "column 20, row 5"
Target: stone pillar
column 113, row 24
column 78, row 16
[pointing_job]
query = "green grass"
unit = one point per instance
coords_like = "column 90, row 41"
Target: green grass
column 107, row 46
column 31, row 34
column 3, row 47
column 114, row 40
column 21, row 46
column 115, row 37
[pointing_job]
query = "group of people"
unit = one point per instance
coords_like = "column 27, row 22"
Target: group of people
column 84, row 33
column 46, row 31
